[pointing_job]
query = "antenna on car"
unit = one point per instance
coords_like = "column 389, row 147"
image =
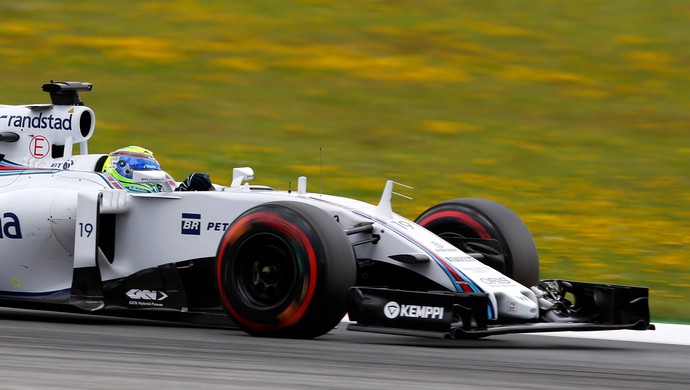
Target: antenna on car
column 321, row 170
column 66, row 93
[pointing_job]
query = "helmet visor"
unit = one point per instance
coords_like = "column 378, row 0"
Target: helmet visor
column 127, row 164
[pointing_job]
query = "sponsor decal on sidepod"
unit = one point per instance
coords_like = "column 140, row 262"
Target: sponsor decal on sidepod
column 9, row 226
column 191, row 224
column 148, row 298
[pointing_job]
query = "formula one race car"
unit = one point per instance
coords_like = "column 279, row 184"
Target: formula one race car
column 273, row 263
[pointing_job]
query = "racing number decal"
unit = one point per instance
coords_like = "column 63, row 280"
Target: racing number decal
column 403, row 224
column 85, row 247
column 85, row 228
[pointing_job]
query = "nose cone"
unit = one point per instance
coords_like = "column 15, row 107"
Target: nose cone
column 517, row 304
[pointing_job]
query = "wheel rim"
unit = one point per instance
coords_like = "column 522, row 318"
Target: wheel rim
column 265, row 271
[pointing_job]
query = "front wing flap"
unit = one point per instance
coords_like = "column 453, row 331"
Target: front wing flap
column 579, row 307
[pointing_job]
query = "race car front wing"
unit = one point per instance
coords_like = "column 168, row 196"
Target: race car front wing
column 564, row 306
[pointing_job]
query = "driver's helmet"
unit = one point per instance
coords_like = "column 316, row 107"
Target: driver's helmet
column 123, row 162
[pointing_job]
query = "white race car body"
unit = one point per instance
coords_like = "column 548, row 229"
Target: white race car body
column 42, row 227
column 72, row 235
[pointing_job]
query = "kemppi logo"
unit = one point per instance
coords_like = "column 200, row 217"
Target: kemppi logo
column 146, row 295
column 391, row 310
column 394, row 310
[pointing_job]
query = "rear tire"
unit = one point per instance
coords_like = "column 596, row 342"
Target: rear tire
column 283, row 270
column 485, row 219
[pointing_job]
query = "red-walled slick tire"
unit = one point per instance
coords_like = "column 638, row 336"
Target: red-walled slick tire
column 283, row 270
column 485, row 219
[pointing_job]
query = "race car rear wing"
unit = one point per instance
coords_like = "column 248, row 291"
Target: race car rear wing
column 465, row 315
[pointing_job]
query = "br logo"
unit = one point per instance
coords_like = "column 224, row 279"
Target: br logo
column 191, row 224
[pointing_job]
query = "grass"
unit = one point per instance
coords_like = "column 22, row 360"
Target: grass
column 575, row 115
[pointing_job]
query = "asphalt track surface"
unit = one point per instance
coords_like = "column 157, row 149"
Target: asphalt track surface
column 58, row 351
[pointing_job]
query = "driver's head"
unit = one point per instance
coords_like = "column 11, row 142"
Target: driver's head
column 123, row 162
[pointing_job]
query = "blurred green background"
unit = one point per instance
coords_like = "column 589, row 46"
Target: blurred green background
column 574, row 114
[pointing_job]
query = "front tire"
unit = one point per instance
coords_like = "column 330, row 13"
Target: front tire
column 468, row 218
column 284, row 269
